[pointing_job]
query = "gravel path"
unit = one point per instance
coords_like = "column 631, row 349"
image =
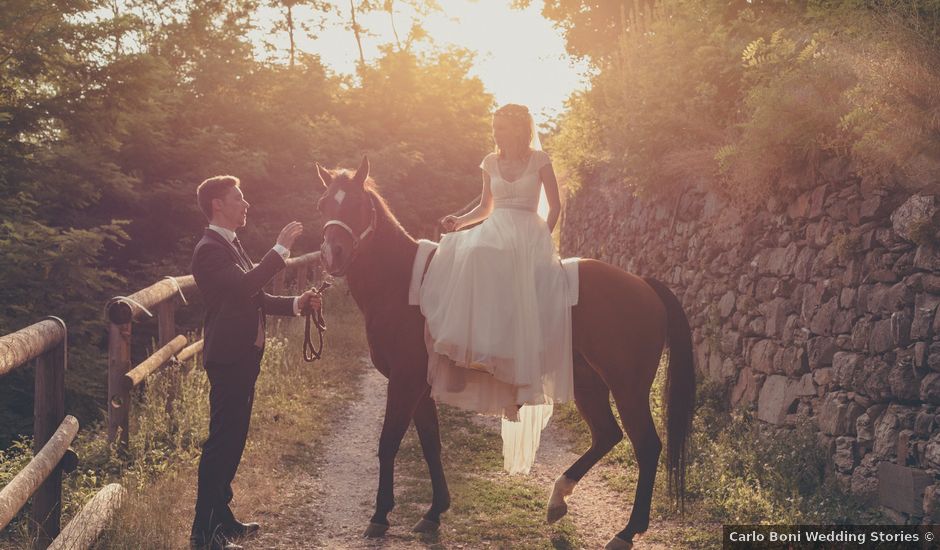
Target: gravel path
column 337, row 506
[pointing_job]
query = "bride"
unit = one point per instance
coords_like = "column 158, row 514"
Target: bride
column 495, row 296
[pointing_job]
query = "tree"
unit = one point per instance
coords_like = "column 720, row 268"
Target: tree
column 290, row 25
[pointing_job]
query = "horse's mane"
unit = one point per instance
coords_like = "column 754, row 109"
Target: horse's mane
column 381, row 205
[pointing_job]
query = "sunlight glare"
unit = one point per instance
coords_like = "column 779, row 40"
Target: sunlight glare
column 520, row 57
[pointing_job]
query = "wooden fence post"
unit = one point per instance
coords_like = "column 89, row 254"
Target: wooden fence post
column 166, row 330
column 166, row 322
column 119, row 398
column 48, row 413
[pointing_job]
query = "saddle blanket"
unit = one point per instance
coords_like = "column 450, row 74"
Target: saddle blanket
column 426, row 247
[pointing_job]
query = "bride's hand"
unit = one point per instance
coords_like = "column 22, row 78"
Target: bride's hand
column 449, row 222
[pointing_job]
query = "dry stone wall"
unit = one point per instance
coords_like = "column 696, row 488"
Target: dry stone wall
column 824, row 308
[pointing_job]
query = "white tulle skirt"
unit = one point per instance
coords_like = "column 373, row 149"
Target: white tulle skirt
column 498, row 325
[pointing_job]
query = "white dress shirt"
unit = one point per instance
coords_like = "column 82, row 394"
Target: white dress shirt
column 282, row 250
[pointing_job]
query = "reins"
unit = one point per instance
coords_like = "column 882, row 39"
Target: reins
column 315, row 316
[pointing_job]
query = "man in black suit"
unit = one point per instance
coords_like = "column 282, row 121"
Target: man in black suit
column 236, row 306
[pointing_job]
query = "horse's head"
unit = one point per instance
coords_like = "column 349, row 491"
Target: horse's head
column 350, row 213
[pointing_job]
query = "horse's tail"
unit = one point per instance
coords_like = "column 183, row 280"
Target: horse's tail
column 679, row 391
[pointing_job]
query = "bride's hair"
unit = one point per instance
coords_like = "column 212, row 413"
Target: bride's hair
column 519, row 116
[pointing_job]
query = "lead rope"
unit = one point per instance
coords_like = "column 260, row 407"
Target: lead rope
column 315, row 316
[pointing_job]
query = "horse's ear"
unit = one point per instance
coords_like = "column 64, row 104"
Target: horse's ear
column 363, row 172
column 323, row 176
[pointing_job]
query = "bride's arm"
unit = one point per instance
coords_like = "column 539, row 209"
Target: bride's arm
column 547, row 173
column 482, row 210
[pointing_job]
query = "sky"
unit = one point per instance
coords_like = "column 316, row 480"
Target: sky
column 520, row 57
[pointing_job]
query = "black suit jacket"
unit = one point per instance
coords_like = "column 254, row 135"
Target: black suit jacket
column 232, row 290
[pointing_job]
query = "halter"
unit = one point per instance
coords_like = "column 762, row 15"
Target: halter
column 346, row 228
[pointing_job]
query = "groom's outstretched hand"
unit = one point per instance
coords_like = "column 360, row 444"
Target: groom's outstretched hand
column 310, row 301
column 289, row 234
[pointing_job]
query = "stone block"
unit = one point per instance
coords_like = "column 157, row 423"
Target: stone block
column 820, row 352
column 904, row 383
column 914, row 212
column 882, row 337
column 726, row 305
column 791, row 361
column 776, row 399
column 930, row 388
column 824, row 318
column 925, row 308
column 847, row 369
column 846, row 455
column 902, row 488
column 745, row 391
column 761, row 356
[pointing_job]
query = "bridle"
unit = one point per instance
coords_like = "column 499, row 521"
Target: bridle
column 310, row 352
column 365, row 233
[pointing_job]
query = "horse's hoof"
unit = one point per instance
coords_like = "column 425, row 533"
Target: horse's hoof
column 618, row 543
column 557, row 507
column 426, row 526
column 556, row 512
column 375, row 530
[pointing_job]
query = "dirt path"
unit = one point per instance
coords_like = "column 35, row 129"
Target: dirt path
column 596, row 511
column 337, row 506
column 348, row 492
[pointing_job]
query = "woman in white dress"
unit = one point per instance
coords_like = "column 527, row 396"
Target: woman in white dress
column 495, row 296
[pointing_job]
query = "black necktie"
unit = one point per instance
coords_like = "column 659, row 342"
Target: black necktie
column 259, row 340
column 241, row 251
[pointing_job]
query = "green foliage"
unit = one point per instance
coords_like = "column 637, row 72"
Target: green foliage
column 750, row 98
column 741, row 471
column 112, row 113
column 165, row 442
column 747, row 472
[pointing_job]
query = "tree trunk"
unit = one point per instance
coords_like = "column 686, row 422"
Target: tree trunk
column 290, row 31
column 355, row 28
column 390, row 6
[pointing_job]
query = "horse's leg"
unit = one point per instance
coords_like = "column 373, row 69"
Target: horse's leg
column 404, row 392
column 429, row 434
column 633, row 406
column 593, row 400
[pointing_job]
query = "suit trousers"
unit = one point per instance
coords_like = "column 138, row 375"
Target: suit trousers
column 231, row 396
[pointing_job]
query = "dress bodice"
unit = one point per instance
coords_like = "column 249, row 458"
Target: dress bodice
column 521, row 193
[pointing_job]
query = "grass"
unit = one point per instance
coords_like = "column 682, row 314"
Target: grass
column 295, row 405
column 740, row 472
column 489, row 507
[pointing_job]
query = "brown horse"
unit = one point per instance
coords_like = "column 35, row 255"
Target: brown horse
column 619, row 328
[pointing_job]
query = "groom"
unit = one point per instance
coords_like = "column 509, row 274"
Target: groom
column 236, row 306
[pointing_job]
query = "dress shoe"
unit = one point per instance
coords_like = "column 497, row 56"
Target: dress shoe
column 218, row 542
column 237, row 529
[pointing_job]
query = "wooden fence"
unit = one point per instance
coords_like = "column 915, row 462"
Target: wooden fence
column 160, row 300
column 46, row 344
column 53, row 431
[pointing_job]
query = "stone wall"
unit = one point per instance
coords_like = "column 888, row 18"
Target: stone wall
column 822, row 309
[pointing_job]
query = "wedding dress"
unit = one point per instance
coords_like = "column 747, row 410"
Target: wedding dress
column 498, row 323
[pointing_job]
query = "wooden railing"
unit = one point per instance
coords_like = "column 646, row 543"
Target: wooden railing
column 53, row 431
column 45, row 342
column 159, row 300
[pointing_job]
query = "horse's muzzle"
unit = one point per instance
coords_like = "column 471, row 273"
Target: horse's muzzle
column 332, row 259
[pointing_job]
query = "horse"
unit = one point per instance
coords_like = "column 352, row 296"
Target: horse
column 621, row 326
